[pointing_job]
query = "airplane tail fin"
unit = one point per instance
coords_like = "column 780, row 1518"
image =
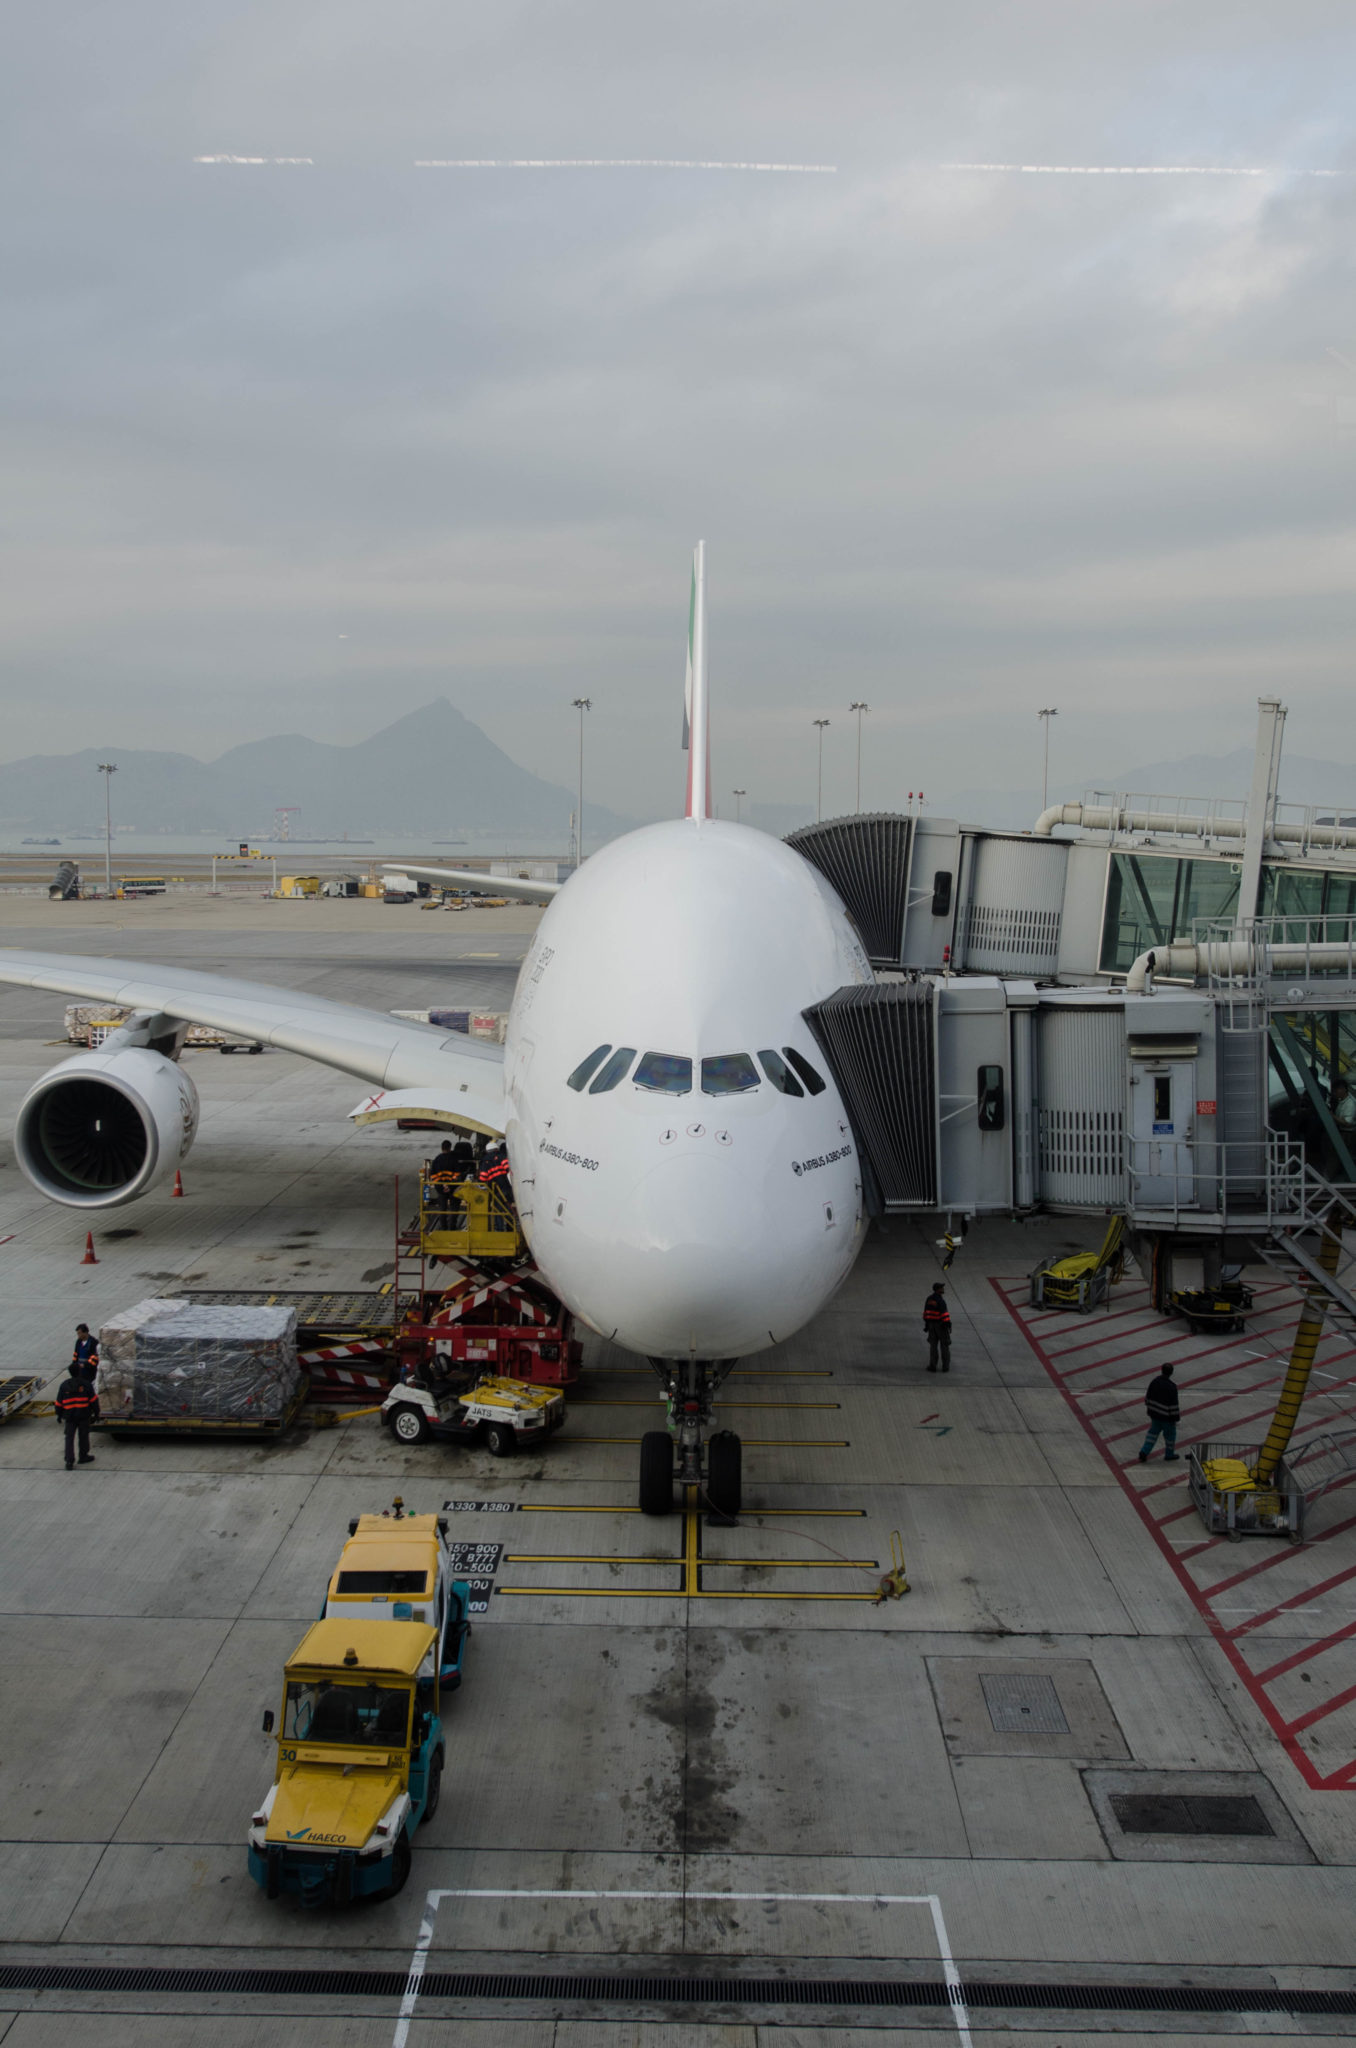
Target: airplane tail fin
column 696, row 708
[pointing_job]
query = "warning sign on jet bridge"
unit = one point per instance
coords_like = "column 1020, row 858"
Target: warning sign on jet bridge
column 1206, row 1108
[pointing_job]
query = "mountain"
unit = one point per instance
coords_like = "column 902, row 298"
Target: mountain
column 432, row 773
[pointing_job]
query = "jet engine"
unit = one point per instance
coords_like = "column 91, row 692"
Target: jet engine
column 103, row 1127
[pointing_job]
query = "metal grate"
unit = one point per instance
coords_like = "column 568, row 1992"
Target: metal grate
column 656, row 1988
column 1020, row 1703
column 1190, row 1813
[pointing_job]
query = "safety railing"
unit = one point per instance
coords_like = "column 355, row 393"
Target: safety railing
column 1249, row 1183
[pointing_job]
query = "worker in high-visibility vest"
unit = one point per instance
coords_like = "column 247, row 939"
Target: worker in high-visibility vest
column 937, row 1328
column 77, row 1405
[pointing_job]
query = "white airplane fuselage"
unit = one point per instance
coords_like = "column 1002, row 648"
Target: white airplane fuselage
column 685, row 1221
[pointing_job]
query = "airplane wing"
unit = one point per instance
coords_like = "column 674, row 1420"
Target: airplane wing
column 368, row 1043
column 471, row 878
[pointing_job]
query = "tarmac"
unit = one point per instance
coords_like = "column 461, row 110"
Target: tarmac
column 702, row 1789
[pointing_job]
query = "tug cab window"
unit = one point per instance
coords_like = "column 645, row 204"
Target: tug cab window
column 728, row 1073
column 813, row 1081
column 777, row 1071
column 586, row 1069
column 667, row 1073
column 614, row 1071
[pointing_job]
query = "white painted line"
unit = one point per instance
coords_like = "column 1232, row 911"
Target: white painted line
column 954, row 1988
column 418, row 1965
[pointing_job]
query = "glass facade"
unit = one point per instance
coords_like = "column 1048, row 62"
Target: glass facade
column 1153, row 898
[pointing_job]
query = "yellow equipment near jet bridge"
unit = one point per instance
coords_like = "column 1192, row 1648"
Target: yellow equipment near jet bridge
column 1084, row 1279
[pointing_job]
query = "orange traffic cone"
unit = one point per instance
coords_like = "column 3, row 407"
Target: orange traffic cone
column 178, row 1187
column 89, row 1258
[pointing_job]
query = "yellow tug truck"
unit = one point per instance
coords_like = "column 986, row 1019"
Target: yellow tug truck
column 360, row 1745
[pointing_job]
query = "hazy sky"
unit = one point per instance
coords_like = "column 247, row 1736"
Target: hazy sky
column 296, row 447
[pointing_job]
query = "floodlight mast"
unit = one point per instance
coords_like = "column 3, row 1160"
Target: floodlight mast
column 108, row 769
column 859, row 708
column 581, row 705
column 1045, row 717
column 819, row 794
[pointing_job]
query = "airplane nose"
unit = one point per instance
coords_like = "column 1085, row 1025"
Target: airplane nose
column 700, row 1277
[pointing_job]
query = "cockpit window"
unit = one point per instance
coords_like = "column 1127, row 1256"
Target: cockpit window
column 813, row 1081
column 586, row 1069
column 728, row 1073
column 668, row 1073
column 614, row 1071
column 780, row 1075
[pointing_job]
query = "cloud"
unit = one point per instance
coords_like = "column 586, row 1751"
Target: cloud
column 960, row 443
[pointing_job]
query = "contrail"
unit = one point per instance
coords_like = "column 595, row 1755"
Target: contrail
column 254, row 159
column 1146, row 170
column 603, row 163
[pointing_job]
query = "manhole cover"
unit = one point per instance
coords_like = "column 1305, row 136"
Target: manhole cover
column 1020, row 1703
column 1175, row 1813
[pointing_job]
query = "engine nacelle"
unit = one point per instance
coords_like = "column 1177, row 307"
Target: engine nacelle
column 103, row 1127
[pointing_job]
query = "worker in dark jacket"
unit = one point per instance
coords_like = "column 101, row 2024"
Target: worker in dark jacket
column 85, row 1356
column 1161, row 1401
column 937, row 1328
column 77, row 1405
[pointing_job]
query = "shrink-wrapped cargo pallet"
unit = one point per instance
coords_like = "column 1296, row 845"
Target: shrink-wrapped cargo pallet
column 182, row 1365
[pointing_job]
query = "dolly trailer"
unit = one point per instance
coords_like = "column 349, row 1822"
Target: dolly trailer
column 360, row 1762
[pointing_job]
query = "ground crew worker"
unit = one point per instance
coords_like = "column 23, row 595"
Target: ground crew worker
column 77, row 1405
column 86, row 1352
column 1162, row 1403
column 937, row 1325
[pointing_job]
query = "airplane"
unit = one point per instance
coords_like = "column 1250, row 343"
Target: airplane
column 684, row 1166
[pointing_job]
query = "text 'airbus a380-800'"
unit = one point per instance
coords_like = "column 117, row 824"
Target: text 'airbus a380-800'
column 685, row 1171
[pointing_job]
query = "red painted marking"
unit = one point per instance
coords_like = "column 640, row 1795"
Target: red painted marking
column 930, row 1418
column 1159, row 1344
column 1321, row 1712
column 1286, row 1606
column 1315, row 1649
column 10, row 1239
column 1286, row 1730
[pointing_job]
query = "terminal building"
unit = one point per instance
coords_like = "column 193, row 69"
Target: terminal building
column 1143, row 1006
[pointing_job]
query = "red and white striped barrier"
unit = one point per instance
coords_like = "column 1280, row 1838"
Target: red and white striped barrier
column 361, row 1347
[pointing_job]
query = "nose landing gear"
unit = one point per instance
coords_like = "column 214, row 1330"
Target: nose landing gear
column 709, row 1460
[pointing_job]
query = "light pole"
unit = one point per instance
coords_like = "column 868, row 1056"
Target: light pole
column 108, row 769
column 859, row 709
column 738, row 795
column 1045, row 717
column 819, row 796
column 581, row 705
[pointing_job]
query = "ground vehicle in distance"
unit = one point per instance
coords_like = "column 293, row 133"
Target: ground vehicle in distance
column 394, row 1568
column 504, row 1415
column 360, row 1762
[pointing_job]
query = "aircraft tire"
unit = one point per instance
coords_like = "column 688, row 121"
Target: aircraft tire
column 656, row 1473
column 724, row 1472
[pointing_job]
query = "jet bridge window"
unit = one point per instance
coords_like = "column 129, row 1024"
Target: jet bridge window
column 586, row 1069
column 614, row 1071
column 728, row 1073
column 667, row 1073
column 777, row 1071
column 989, row 1090
column 813, row 1081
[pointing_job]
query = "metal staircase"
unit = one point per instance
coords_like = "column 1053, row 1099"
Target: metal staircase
column 1305, row 1208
